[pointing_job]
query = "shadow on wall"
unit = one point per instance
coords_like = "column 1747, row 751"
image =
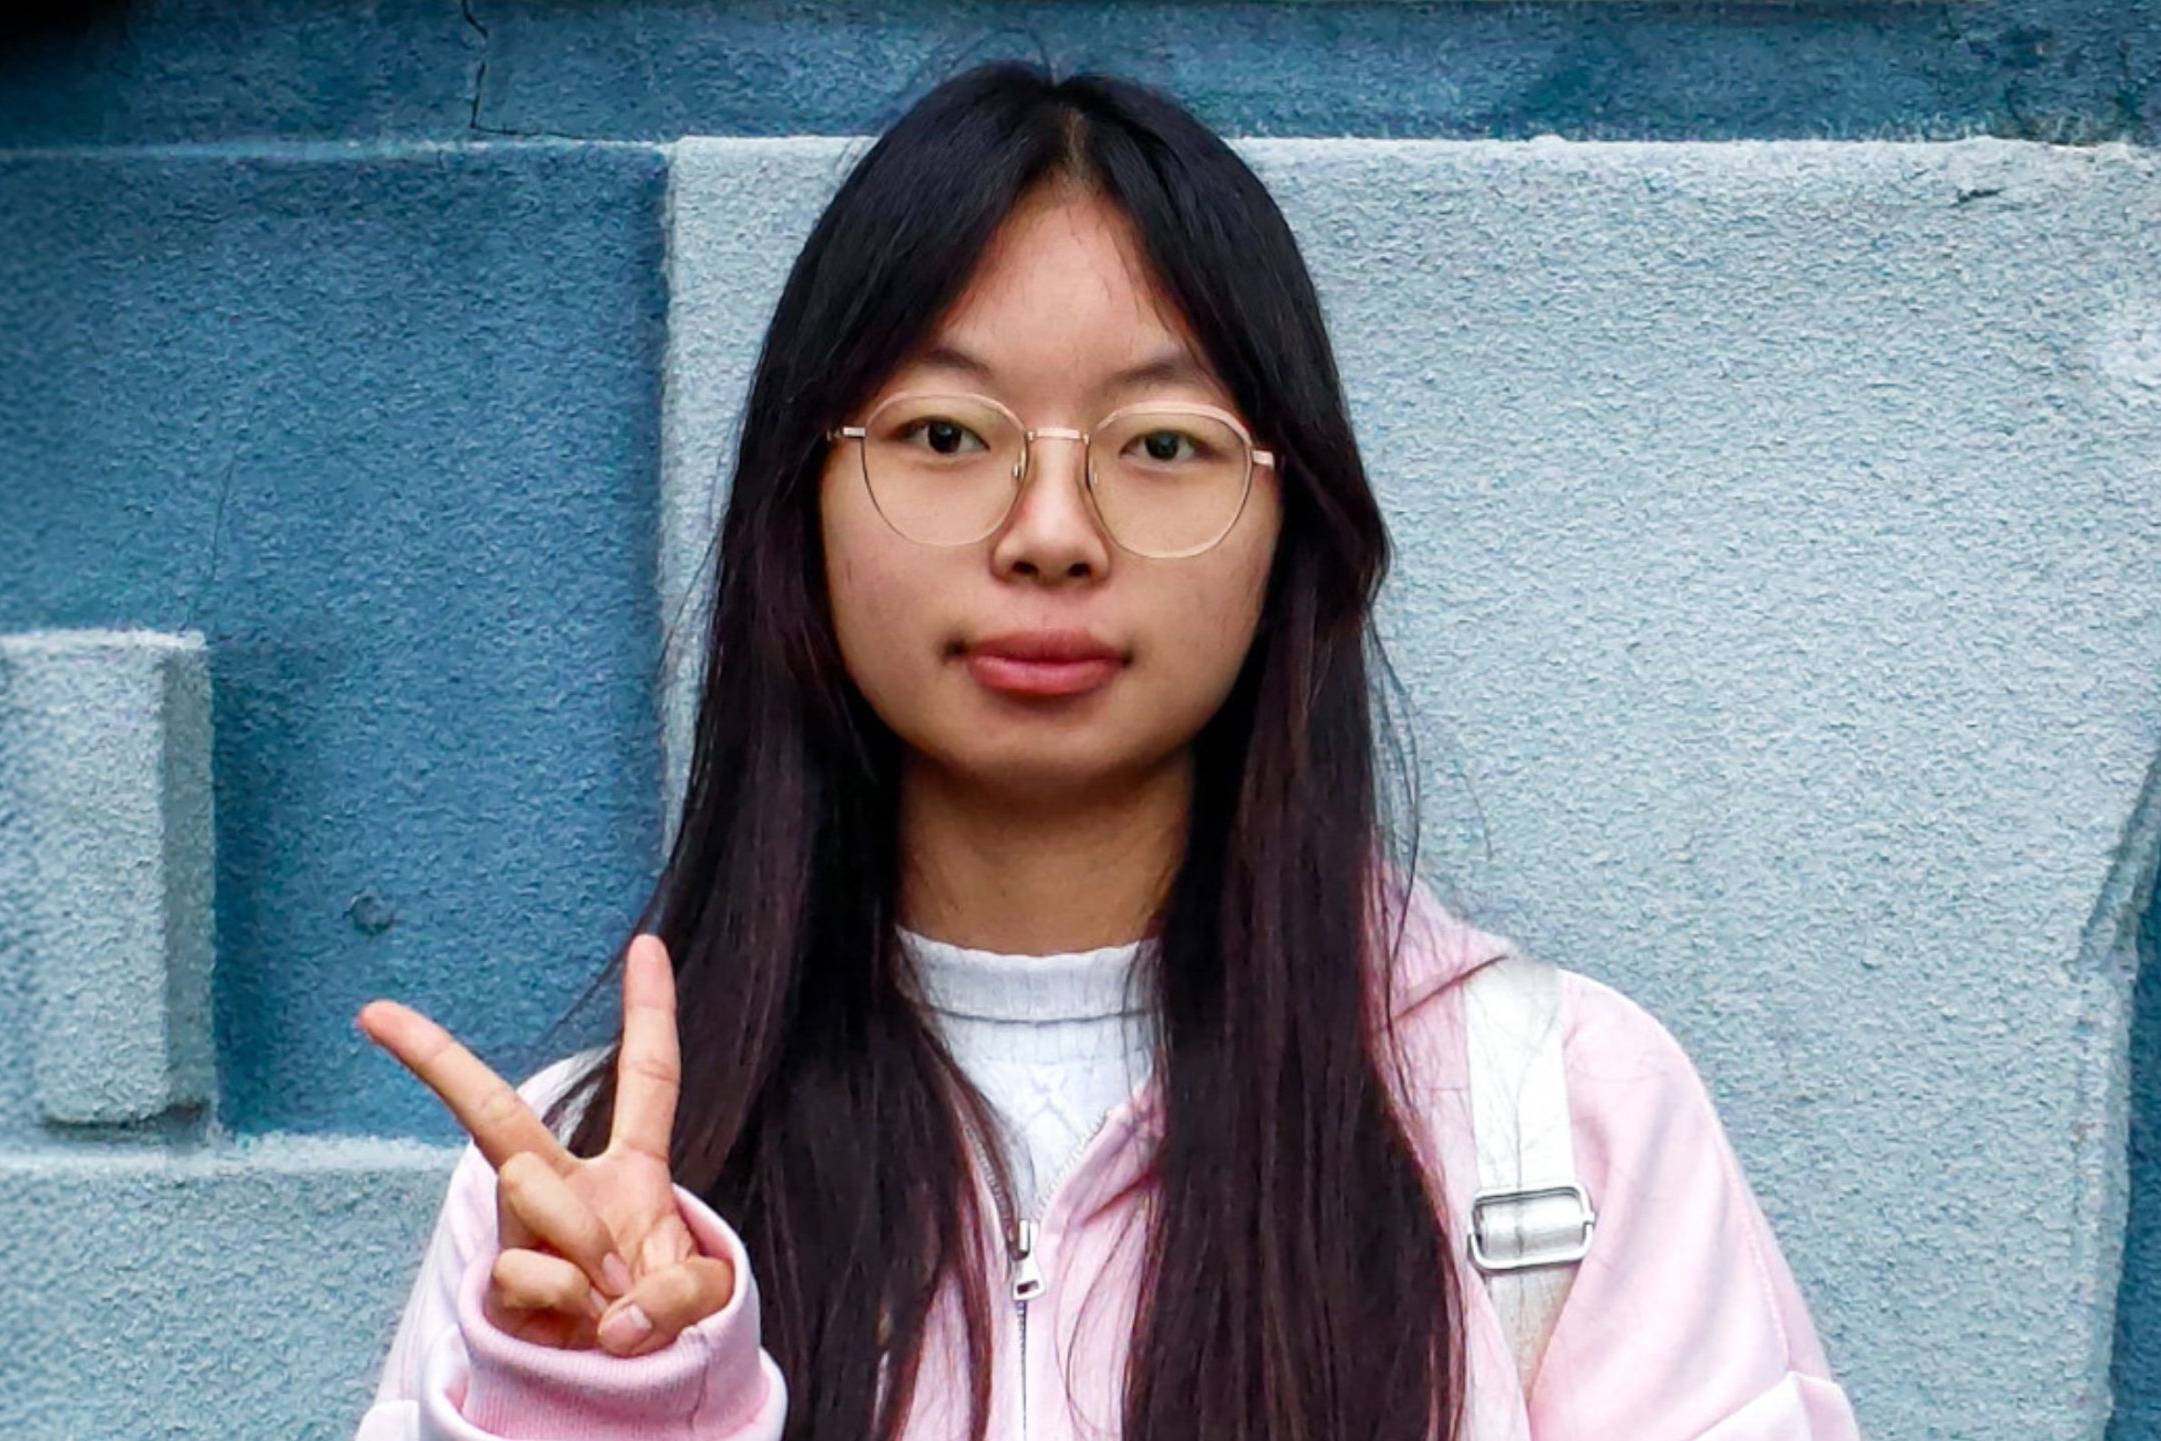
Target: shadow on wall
column 2136, row 1369
column 38, row 19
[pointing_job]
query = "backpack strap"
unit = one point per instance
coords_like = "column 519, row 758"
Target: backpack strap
column 1530, row 1219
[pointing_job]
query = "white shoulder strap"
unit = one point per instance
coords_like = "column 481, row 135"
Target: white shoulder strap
column 1531, row 1220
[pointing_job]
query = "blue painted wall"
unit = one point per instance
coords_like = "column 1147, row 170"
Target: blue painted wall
column 384, row 425
column 2064, row 71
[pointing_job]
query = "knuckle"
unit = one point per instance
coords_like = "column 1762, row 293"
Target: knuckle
column 668, row 1296
column 507, row 1275
column 699, row 1287
column 719, row 1289
column 499, row 1104
column 518, row 1201
column 651, row 1069
column 679, row 1290
column 516, row 1174
column 527, row 1280
column 568, row 1292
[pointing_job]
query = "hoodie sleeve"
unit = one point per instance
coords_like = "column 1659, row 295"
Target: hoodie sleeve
column 462, row 1229
column 1684, row 1322
column 451, row 1375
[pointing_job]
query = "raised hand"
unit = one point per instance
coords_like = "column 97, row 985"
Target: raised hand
column 592, row 1252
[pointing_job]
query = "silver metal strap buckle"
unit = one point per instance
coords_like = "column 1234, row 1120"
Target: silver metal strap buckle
column 1531, row 1254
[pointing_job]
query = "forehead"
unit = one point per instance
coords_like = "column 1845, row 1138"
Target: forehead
column 1064, row 299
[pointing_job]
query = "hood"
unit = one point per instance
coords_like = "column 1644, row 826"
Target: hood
column 1439, row 947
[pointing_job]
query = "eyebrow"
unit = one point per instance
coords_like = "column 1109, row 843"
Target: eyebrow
column 1167, row 367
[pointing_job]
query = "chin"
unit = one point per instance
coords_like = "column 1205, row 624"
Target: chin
column 1028, row 763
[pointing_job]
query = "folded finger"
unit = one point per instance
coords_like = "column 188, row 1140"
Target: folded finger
column 664, row 1302
column 527, row 1280
column 535, row 1208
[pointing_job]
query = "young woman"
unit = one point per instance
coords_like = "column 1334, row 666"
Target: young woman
column 1027, row 1036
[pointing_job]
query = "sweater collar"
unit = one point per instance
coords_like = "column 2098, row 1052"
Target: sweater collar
column 1438, row 947
column 996, row 985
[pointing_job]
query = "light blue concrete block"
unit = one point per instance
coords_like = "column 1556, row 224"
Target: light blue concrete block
column 1777, row 589
column 107, row 739
column 243, row 1291
column 740, row 209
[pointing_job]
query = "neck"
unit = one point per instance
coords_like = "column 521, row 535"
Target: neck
column 1039, row 873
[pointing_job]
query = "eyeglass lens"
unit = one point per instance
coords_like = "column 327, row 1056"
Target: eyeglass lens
column 944, row 469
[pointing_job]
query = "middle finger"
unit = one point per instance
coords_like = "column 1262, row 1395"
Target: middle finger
column 649, row 1068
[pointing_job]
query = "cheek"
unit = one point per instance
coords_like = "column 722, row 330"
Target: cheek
column 1241, row 588
column 876, row 609
column 891, row 608
column 1209, row 619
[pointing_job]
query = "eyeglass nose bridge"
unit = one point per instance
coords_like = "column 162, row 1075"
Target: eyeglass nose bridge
column 1021, row 465
column 1027, row 456
column 1048, row 432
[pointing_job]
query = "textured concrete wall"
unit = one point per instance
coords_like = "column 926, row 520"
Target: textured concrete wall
column 1777, row 548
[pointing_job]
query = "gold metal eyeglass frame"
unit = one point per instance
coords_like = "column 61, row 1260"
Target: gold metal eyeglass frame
column 1254, row 456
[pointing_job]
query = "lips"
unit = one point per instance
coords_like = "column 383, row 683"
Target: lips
column 1042, row 662
column 1046, row 645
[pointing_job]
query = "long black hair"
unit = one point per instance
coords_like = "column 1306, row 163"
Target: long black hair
column 1298, row 1283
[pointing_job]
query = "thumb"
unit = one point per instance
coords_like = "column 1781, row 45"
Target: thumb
column 664, row 1302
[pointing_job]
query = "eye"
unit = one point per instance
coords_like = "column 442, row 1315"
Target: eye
column 945, row 436
column 1161, row 446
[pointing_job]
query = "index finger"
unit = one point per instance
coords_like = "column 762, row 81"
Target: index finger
column 489, row 1107
column 649, row 1072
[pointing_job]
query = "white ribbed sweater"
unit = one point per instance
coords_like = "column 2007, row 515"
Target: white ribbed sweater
column 1052, row 1041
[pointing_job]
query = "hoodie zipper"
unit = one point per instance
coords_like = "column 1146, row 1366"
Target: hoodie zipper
column 1024, row 1275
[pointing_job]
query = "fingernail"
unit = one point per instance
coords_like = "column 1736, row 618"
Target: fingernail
column 625, row 1329
column 615, row 1274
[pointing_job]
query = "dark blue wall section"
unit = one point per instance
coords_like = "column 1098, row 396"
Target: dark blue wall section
column 2067, row 71
column 386, row 427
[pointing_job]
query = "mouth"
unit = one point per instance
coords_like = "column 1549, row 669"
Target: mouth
column 1042, row 663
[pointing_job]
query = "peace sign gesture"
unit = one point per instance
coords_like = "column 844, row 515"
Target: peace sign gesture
column 591, row 1251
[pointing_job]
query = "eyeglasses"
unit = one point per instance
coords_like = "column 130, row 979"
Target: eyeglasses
column 1165, row 480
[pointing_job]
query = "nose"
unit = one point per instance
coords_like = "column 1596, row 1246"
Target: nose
column 1052, row 531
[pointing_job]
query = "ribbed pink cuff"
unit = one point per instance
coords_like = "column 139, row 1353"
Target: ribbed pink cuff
column 704, row 1382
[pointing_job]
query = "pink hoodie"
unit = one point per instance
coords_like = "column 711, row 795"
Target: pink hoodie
column 1683, row 1323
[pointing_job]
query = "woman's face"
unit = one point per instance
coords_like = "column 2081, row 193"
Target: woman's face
column 1059, row 307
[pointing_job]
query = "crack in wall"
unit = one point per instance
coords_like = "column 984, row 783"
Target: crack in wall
column 480, row 72
column 480, row 81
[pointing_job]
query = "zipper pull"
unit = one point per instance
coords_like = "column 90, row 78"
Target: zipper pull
column 1027, row 1276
